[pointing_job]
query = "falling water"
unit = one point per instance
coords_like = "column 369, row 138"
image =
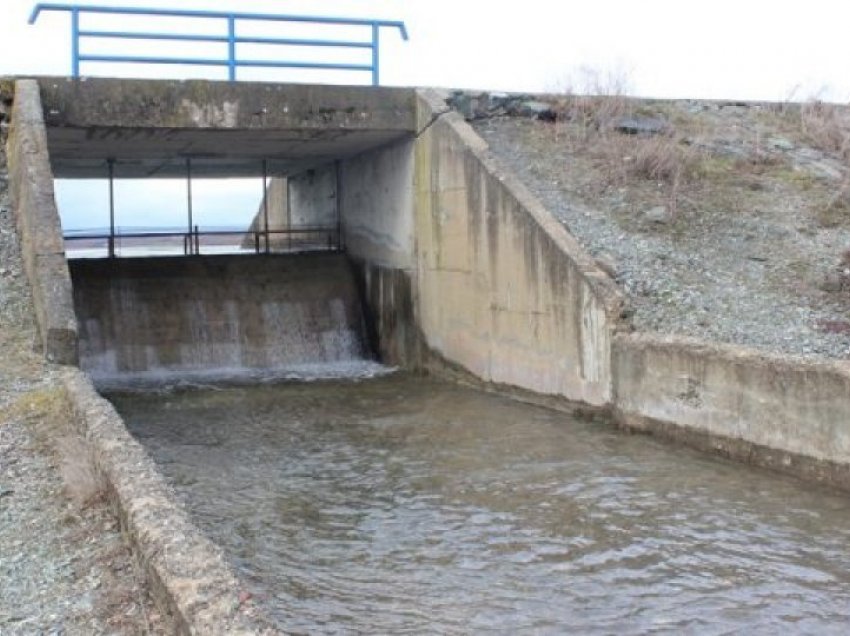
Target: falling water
column 225, row 318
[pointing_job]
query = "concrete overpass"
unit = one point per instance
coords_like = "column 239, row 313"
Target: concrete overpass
column 150, row 127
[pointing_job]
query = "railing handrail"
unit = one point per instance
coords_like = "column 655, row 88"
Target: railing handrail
column 231, row 61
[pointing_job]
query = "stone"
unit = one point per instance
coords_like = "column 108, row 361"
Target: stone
column 780, row 143
column 533, row 108
column 832, row 282
column 641, row 126
column 658, row 214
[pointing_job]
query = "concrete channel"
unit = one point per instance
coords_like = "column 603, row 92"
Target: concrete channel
column 461, row 272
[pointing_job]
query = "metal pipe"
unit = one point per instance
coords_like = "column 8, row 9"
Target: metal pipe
column 189, row 196
column 111, row 247
column 129, row 35
column 375, row 46
column 231, row 48
column 289, row 213
column 75, row 42
column 266, row 202
column 184, row 13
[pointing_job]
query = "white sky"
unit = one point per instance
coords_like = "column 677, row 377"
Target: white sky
column 737, row 49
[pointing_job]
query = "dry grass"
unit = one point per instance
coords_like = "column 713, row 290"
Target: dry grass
column 827, row 127
column 588, row 125
column 46, row 413
column 83, row 483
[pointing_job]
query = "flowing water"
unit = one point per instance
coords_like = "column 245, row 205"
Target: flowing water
column 406, row 505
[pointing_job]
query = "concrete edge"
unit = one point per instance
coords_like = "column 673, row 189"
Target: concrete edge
column 189, row 577
column 821, row 463
column 810, row 469
column 39, row 227
column 733, row 353
column 602, row 285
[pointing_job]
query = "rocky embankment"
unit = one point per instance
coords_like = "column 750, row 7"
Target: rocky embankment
column 724, row 221
column 64, row 565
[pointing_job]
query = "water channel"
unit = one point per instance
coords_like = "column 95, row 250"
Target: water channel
column 401, row 504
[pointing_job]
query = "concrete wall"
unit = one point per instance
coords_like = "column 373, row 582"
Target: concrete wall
column 277, row 216
column 378, row 231
column 773, row 410
column 34, row 206
column 312, row 197
column 459, row 264
column 502, row 289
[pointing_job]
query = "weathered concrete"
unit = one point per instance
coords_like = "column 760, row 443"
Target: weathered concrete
column 189, row 577
column 771, row 410
column 278, row 215
column 378, row 229
column 503, row 289
column 458, row 263
column 150, row 126
column 34, row 206
column 164, row 316
column 313, row 197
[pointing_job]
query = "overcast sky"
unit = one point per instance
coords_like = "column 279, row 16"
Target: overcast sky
column 738, row 49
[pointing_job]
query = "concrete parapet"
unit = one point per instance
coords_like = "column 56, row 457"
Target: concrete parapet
column 772, row 410
column 34, row 206
column 503, row 289
column 140, row 103
column 189, row 577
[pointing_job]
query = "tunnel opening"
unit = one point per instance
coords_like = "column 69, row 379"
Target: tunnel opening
column 216, row 247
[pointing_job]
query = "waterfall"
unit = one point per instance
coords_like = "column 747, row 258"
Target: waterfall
column 219, row 318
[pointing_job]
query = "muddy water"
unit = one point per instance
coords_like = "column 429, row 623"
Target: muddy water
column 403, row 505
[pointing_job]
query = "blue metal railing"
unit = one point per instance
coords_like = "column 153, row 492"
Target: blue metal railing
column 231, row 38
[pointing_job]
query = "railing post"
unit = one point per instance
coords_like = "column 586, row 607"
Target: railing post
column 231, row 48
column 75, row 42
column 111, row 250
column 266, row 202
column 376, row 31
column 189, row 199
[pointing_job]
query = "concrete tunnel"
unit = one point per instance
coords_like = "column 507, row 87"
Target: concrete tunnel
column 455, row 265
column 338, row 157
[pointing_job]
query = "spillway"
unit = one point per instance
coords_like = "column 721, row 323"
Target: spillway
column 221, row 318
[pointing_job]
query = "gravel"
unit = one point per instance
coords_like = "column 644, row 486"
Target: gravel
column 64, row 566
column 746, row 269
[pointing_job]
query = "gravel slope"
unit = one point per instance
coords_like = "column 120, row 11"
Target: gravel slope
column 744, row 259
column 64, row 566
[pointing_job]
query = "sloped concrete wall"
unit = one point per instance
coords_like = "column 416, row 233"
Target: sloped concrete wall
column 502, row 289
column 34, row 206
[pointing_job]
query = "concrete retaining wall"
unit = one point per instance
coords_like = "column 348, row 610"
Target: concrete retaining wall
column 189, row 577
column 34, row 206
column 378, row 229
column 502, row 289
column 770, row 410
